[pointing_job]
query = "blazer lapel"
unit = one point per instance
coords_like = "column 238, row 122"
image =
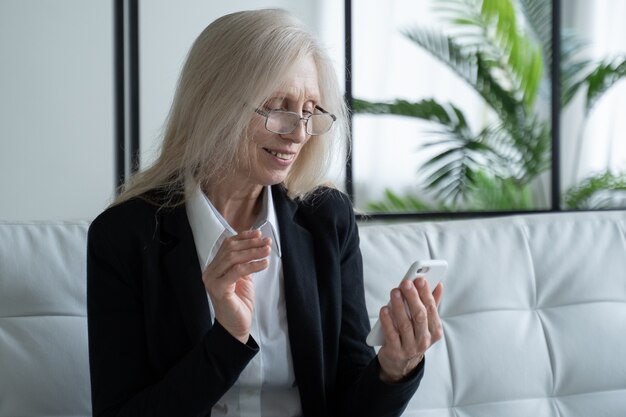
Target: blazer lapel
column 183, row 270
column 302, row 302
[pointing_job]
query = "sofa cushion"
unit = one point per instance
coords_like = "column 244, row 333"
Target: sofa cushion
column 44, row 367
column 534, row 312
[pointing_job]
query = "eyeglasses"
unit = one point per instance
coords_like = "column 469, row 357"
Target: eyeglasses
column 284, row 122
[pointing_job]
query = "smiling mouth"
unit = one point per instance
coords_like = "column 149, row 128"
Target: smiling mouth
column 283, row 156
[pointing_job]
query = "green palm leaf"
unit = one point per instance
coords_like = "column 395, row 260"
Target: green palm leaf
column 584, row 195
column 450, row 172
column 520, row 55
column 573, row 68
column 491, row 192
column 392, row 202
column 447, row 115
column 490, row 27
column 603, row 77
column 471, row 66
column 538, row 16
column 533, row 142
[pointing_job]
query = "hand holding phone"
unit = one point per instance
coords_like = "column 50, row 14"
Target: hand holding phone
column 433, row 270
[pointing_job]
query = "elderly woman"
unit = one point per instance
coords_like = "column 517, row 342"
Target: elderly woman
column 225, row 279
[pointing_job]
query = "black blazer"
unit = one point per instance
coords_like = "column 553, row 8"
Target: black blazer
column 154, row 352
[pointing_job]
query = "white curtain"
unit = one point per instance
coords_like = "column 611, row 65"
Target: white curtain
column 597, row 143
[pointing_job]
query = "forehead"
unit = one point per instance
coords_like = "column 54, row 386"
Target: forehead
column 301, row 82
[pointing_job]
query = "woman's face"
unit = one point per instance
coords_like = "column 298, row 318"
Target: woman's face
column 271, row 154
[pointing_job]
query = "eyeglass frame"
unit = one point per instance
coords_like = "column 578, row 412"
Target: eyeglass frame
column 266, row 114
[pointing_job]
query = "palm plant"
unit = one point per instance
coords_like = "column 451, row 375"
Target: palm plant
column 505, row 66
column 598, row 191
column 505, row 60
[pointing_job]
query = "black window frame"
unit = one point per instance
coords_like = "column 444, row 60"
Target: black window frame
column 126, row 82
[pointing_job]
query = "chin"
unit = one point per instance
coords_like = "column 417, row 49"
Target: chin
column 276, row 180
column 267, row 179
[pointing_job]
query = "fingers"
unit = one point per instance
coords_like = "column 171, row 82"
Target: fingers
column 414, row 315
column 239, row 256
column 431, row 301
column 403, row 313
column 411, row 324
column 389, row 329
column 438, row 293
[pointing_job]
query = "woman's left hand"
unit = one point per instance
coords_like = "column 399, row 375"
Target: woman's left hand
column 409, row 334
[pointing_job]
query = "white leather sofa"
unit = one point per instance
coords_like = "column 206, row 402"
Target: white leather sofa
column 534, row 314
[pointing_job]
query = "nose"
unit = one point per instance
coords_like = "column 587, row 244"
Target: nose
column 299, row 134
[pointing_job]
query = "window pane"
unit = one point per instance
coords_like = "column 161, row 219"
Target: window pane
column 593, row 148
column 465, row 103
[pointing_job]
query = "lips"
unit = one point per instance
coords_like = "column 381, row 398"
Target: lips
column 280, row 155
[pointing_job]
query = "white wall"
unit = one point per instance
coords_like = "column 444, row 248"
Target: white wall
column 56, row 111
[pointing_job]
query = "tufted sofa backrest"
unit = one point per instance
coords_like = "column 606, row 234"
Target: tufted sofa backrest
column 534, row 312
column 534, row 315
column 44, row 368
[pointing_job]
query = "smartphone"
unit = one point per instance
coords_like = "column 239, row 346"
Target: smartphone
column 433, row 270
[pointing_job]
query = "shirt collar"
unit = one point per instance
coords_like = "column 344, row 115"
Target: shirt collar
column 268, row 205
column 208, row 225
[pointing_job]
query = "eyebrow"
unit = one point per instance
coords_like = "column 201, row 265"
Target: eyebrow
column 284, row 96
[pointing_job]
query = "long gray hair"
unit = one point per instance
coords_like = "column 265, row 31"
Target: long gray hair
column 236, row 63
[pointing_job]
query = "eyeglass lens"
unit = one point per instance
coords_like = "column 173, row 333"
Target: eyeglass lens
column 282, row 122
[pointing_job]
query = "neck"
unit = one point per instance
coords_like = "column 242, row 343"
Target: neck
column 239, row 207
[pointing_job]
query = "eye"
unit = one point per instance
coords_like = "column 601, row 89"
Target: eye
column 309, row 108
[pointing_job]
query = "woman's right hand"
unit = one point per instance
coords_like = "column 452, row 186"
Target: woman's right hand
column 228, row 280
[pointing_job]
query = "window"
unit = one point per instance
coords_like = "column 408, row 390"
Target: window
column 452, row 106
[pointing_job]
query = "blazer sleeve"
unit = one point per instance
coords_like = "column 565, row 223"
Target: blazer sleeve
column 122, row 381
column 364, row 393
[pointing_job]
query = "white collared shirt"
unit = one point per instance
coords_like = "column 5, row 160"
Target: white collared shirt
column 266, row 387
